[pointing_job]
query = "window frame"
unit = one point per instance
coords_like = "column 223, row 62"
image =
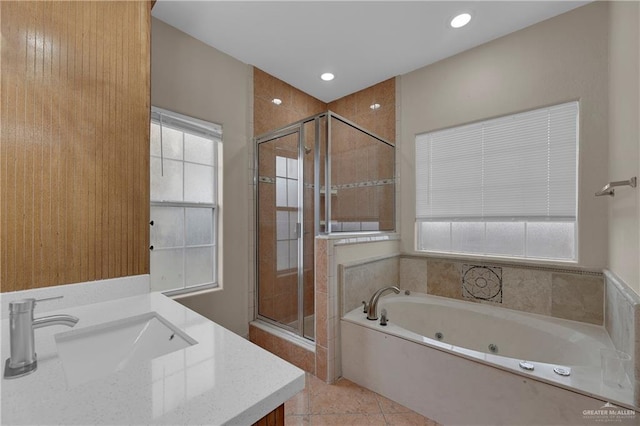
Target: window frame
column 485, row 253
column 212, row 132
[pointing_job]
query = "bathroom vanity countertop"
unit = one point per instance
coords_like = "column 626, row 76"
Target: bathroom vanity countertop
column 223, row 379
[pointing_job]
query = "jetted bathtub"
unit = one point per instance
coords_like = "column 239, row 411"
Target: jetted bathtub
column 459, row 362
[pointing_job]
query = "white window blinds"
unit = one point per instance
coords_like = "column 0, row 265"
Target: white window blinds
column 503, row 187
column 520, row 167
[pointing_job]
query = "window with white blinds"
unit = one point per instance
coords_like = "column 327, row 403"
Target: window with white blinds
column 501, row 187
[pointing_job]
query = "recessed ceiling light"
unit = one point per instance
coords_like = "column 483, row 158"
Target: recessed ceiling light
column 276, row 101
column 374, row 106
column 460, row 20
column 327, row 76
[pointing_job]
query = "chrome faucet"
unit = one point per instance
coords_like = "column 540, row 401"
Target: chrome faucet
column 23, row 359
column 372, row 307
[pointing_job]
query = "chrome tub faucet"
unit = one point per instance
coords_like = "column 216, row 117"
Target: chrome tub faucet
column 23, row 359
column 372, row 307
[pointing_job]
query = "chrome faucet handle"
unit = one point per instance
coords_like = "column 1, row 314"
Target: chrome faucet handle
column 365, row 307
column 28, row 304
column 383, row 317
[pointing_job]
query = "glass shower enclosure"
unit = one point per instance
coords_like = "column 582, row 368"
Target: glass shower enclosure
column 302, row 192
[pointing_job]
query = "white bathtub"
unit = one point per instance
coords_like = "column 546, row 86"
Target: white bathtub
column 459, row 379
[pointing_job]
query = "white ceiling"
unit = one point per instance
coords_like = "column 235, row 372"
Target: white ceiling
column 361, row 42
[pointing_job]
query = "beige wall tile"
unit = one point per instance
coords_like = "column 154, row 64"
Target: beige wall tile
column 444, row 279
column 577, row 297
column 526, row 290
column 361, row 281
column 413, row 274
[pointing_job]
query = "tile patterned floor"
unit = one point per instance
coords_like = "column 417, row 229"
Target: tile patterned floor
column 346, row 403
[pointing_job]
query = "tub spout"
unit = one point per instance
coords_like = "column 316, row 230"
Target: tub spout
column 372, row 313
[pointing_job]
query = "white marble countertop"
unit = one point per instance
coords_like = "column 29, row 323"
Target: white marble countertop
column 223, row 379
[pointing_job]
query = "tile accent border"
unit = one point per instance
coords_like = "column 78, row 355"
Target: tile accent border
column 622, row 321
column 340, row 240
column 483, row 262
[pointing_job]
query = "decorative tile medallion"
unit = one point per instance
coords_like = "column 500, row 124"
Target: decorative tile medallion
column 482, row 282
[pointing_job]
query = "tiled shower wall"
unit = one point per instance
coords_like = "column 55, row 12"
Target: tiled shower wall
column 279, row 295
column 357, row 108
column 267, row 116
column 362, row 170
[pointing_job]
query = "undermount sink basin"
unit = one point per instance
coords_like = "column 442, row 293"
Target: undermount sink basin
column 97, row 351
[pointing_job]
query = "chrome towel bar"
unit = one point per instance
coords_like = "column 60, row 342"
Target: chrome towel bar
column 608, row 188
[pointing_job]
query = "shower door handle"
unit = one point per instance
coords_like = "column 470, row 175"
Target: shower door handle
column 298, row 230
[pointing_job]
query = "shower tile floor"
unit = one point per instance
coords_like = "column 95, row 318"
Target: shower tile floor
column 346, row 403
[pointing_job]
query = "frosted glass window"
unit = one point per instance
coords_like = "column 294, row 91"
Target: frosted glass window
column 282, row 255
column 168, row 227
column 282, row 225
column 435, row 236
column 166, row 180
column 350, row 226
column 551, row 240
column 281, row 192
column 286, row 212
column 467, row 237
column 198, row 183
column 198, row 150
column 199, row 224
column 292, row 193
column 183, row 177
column 370, row 226
column 199, row 265
column 293, row 254
column 281, row 166
column 167, row 269
column 505, row 238
column 292, row 168
column 502, row 187
column 172, row 143
column 155, row 139
column 293, row 221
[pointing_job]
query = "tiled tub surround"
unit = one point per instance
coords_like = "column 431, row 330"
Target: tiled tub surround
column 565, row 294
column 328, row 297
column 359, row 280
column 622, row 321
column 436, row 378
column 577, row 296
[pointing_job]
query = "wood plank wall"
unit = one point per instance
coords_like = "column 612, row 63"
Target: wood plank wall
column 74, row 142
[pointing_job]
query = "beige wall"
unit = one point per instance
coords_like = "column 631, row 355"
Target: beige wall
column 558, row 60
column 624, row 140
column 192, row 78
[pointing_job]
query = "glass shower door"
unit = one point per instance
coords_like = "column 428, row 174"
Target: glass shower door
column 279, row 273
